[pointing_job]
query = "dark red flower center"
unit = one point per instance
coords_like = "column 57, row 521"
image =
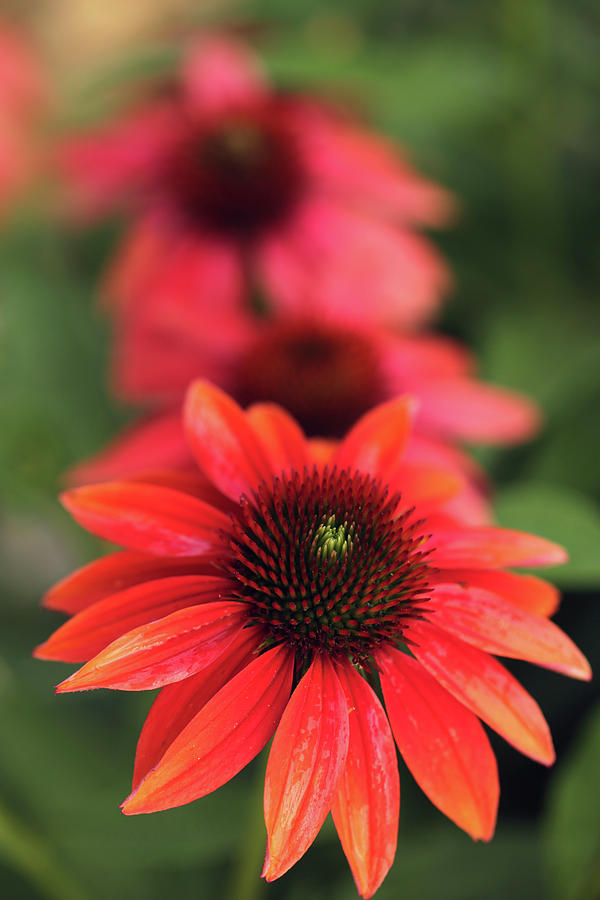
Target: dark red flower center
column 325, row 376
column 239, row 177
column 328, row 561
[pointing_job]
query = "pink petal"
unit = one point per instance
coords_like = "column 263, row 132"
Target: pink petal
column 474, row 411
column 220, row 73
column 484, row 620
column 116, row 572
column 488, row 548
column 364, row 168
column 485, row 687
column 351, row 256
column 305, row 764
column 529, row 593
column 164, row 651
column 177, row 704
column 376, row 443
column 442, row 743
column 102, row 168
column 147, row 517
column 227, row 733
column 165, row 276
column 224, row 442
column 366, row 805
column 91, row 630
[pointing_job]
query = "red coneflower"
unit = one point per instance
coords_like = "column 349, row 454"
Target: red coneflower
column 272, row 592
column 325, row 373
column 235, row 184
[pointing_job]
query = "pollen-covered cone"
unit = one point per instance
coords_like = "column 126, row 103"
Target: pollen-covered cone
column 232, row 184
column 267, row 592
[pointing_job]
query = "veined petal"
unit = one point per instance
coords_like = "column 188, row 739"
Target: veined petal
column 376, row 443
column 442, row 743
column 172, row 648
column 95, row 627
column 223, row 441
column 366, row 804
column 484, row 686
column 484, row 620
column 147, row 517
column 227, row 733
column 283, row 439
column 305, row 764
column 116, row 572
column 177, row 704
column 529, row 593
column 483, row 548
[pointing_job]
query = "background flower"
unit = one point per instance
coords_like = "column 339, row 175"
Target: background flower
column 236, row 184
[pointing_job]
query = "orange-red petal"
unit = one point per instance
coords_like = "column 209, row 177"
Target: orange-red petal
column 490, row 623
column 480, row 682
column 483, row 548
column 147, row 517
column 177, row 704
column 376, row 443
column 305, row 763
column 223, row 441
column 170, row 649
column 366, row 804
column 529, row 593
column 442, row 743
column 227, row 733
column 95, row 627
column 282, row 437
column 116, row 572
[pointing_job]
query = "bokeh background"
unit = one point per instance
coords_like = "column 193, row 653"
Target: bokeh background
column 498, row 101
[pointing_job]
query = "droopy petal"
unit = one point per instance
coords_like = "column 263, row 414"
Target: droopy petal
column 529, row 593
column 366, row 805
column 172, row 648
column 442, row 743
column 376, row 443
column 305, row 763
column 484, row 620
column 483, row 548
column 147, row 517
column 223, row 441
column 151, row 444
column 93, row 629
column 479, row 681
column 177, row 704
column 228, row 732
column 474, row 411
column 116, row 572
column 281, row 435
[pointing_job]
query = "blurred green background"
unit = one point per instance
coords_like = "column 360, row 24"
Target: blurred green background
column 500, row 103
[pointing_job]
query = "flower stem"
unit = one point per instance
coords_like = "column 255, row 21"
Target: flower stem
column 246, row 883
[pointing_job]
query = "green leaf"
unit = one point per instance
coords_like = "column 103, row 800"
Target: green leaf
column 572, row 833
column 562, row 515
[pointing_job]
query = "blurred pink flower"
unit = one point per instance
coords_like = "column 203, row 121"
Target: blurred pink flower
column 236, row 185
